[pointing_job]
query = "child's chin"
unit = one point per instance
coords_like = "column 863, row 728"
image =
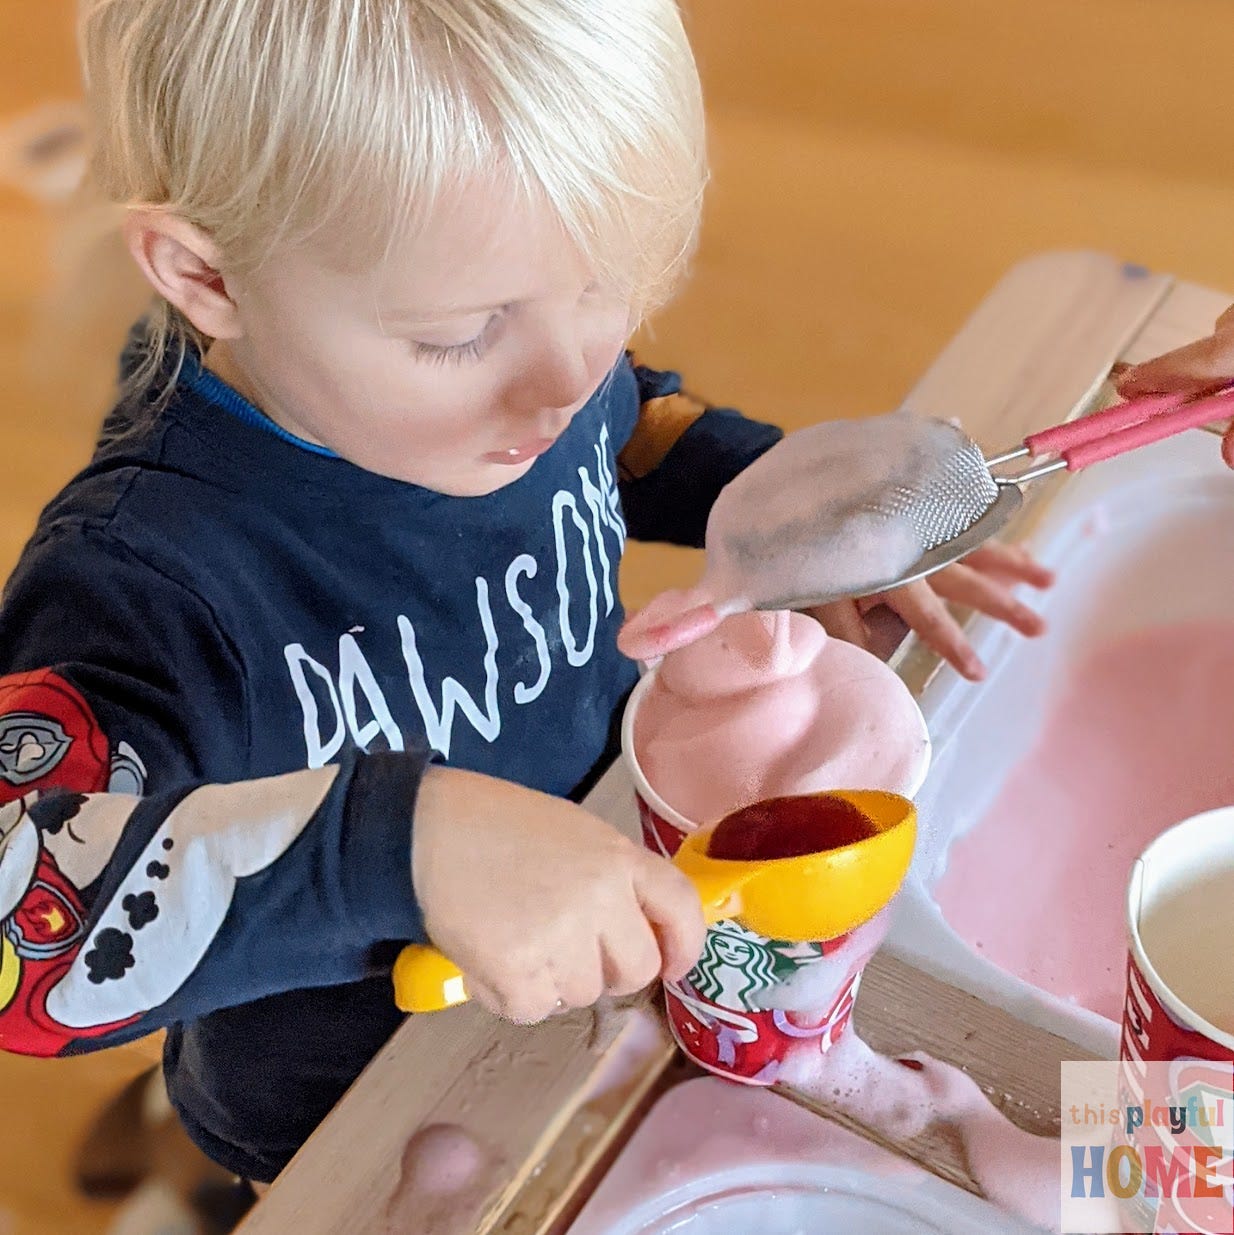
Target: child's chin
column 499, row 475
column 479, row 480
column 485, row 479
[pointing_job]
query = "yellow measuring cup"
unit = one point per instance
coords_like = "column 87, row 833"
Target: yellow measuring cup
column 804, row 899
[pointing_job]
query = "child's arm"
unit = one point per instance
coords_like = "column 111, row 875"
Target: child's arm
column 122, row 912
column 679, row 454
column 1199, row 367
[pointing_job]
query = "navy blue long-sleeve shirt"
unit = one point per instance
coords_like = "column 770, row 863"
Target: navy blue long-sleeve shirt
column 225, row 661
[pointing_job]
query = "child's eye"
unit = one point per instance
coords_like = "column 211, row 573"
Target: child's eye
column 460, row 353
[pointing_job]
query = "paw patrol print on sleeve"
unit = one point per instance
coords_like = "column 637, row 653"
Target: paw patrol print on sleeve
column 111, row 957
column 69, row 970
column 42, row 917
column 48, row 737
column 141, row 907
column 31, row 746
column 181, row 888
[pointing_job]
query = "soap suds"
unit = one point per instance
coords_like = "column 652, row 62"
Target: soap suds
column 902, row 1099
column 813, row 989
column 627, row 1048
column 1017, row 1171
column 766, row 706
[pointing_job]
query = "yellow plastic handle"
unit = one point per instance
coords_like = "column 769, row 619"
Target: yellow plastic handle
column 426, row 981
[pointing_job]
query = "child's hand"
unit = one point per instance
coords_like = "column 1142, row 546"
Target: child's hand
column 542, row 905
column 982, row 581
column 1200, row 367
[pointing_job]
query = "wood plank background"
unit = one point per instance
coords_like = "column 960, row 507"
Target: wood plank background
column 878, row 165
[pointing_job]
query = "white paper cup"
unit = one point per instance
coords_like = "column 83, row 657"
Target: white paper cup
column 1180, row 930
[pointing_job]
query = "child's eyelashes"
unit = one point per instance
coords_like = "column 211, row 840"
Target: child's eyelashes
column 461, row 353
column 593, row 297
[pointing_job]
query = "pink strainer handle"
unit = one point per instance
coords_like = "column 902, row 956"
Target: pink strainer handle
column 1155, row 429
column 1100, row 424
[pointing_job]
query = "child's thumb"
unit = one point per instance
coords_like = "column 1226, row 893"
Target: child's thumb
column 671, row 906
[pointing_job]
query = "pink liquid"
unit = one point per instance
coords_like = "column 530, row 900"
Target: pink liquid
column 1141, row 738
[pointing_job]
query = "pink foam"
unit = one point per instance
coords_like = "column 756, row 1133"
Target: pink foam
column 1139, row 739
column 673, row 620
column 816, row 516
column 710, row 1153
column 444, row 1178
column 767, row 705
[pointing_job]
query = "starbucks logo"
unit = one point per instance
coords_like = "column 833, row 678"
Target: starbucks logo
column 738, row 966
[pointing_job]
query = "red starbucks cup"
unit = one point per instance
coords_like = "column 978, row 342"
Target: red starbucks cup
column 1177, row 1043
column 1180, row 928
column 751, row 1001
column 663, row 827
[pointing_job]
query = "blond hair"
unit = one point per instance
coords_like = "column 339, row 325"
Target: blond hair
column 274, row 123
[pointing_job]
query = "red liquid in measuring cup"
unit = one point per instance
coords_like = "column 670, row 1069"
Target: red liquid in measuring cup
column 789, row 828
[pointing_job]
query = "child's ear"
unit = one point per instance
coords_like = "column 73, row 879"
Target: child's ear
column 181, row 263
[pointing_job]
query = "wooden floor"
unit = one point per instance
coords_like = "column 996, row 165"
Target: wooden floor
column 878, row 164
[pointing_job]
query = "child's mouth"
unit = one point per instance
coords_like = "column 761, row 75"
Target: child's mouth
column 514, row 455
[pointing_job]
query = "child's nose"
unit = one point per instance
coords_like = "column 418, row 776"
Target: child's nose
column 557, row 384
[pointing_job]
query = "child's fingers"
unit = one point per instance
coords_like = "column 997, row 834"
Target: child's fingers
column 926, row 613
column 1227, row 448
column 1010, row 564
column 486, row 996
column 632, row 961
column 842, row 619
column 975, row 590
column 525, row 1002
column 578, row 981
column 672, row 908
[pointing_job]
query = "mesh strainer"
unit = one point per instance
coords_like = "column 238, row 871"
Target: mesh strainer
column 961, row 504
column 945, row 511
column 855, row 508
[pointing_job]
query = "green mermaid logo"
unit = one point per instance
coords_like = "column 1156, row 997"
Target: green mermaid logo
column 738, row 966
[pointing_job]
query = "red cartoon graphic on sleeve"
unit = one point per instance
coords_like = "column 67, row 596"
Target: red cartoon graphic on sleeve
column 42, row 932
column 48, row 737
column 70, row 970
